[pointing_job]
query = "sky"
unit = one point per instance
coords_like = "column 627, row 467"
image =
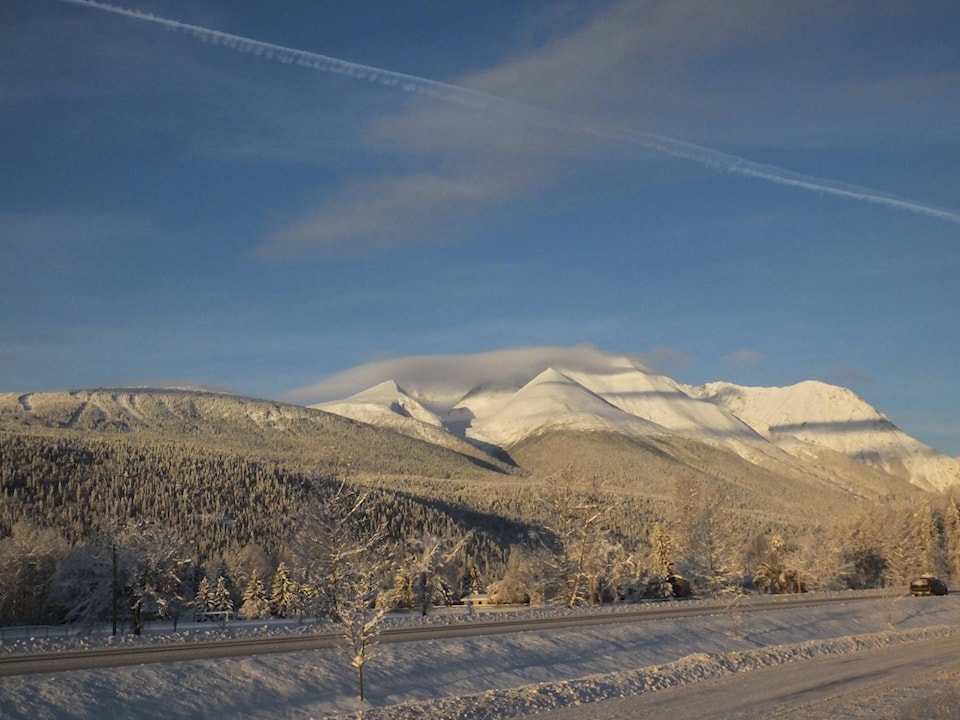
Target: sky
column 256, row 196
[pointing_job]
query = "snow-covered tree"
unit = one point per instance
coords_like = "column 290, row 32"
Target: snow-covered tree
column 769, row 575
column 952, row 536
column 576, row 529
column 154, row 560
column 661, row 552
column 254, row 604
column 282, row 592
column 338, row 541
column 222, row 601
column 610, row 571
column 310, row 597
column 28, row 565
column 83, row 586
column 150, row 562
column 401, row 593
column 704, row 531
column 421, row 572
column 204, row 600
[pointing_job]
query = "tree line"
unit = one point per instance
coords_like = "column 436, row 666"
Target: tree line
column 168, row 529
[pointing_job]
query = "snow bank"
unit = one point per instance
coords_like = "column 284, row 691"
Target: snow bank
column 484, row 676
column 544, row 696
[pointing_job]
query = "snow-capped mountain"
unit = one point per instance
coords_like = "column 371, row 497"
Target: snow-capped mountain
column 551, row 401
column 615, row 394
column 815, row 414
column 386, row 405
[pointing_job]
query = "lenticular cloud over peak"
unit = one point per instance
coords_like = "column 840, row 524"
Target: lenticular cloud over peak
column 455, row 375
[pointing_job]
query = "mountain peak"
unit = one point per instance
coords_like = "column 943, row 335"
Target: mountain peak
column 507, row 396
column 814, row 414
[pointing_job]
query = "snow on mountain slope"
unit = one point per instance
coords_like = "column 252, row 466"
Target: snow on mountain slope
column 499, row 399
column 619, row 396
column 387, row 405
column 552, row 400
column 661, row 400
column 379, row 402
column 817, row 414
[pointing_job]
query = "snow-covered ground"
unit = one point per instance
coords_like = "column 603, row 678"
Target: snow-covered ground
column 482, row 677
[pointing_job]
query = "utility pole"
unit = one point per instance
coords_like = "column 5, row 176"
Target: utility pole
column 115, row 588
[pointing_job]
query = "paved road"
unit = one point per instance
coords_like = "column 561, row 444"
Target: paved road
column 887, row 682
column 26, row 664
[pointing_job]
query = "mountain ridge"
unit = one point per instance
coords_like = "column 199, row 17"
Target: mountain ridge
column 639, row 472
column 810, row 421
column 250, row 426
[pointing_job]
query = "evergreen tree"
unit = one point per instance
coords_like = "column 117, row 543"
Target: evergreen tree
column 282, row 592
column 222, row 602
column 402, row 594
column 254, row 604
column 952, row 538
column 661, row 552
column 204, row 601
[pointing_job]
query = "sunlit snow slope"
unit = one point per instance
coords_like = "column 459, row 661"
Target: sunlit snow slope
column 493, row 405
column 822, row 415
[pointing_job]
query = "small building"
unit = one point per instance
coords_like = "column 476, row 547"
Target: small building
column 475, row 600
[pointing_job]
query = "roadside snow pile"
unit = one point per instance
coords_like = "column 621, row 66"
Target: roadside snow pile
column 540, row 697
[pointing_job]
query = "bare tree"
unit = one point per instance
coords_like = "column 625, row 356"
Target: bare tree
column 28, row 564
column 705, row 531
column 141, row 564
column 339, row 542
column 359, row 613
column 523, row 580
column 421, row 572
column 575, row 530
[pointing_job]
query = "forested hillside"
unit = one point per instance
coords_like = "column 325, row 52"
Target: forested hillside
column 235, row 505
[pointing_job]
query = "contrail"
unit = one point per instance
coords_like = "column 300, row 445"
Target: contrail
column 665, row 145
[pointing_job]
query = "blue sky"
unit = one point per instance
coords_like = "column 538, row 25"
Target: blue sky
column 749, row 191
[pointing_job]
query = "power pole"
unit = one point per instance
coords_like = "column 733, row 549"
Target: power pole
column 115, row 588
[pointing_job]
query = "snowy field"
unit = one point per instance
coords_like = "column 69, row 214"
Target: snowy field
column 484, row 677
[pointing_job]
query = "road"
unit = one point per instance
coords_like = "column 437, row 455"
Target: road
column 889, row 682
column 25, row 664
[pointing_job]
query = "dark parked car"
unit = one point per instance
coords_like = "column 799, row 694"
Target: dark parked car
column 928, row 585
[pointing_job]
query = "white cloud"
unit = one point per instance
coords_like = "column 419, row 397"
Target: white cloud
column 635, row 64
column 456, row 374
column 663, row 359
column 681, row 68
column 388, row 212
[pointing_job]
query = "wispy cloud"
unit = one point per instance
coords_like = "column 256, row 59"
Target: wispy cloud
column 663, row 359
column 455, row 374
column 487, row 146
column 389, row 212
